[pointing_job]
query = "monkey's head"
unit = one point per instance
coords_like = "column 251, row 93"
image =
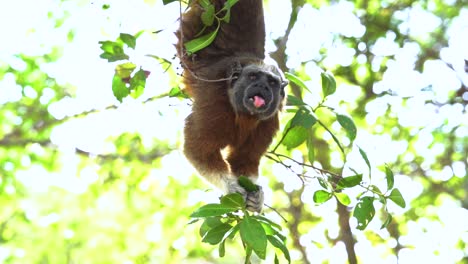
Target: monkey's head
column 256, row 89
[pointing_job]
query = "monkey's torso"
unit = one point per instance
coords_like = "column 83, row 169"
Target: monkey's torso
column 236, row 97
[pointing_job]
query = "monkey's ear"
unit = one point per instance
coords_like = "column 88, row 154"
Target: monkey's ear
column 234, row 72
column 284, row 83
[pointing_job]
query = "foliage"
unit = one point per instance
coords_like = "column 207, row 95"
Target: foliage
column 298, row 130
column 229, row 217
column 123, row 82
column 85, row 179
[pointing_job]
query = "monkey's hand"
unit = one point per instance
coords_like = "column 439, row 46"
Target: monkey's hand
column 253, row 200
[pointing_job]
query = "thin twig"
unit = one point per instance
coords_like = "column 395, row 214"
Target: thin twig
column 322, row 171
column 281, row 140
column 276, row 211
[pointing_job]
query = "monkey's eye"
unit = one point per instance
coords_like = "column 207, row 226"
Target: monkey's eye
column 273, row 82
column 252, row 76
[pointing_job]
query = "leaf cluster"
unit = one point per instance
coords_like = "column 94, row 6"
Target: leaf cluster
column 210, row 18
column 300, row 129
column 127, row 80
column 224, row 220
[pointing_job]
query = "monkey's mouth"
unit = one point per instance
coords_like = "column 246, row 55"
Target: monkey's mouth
column 257, row 100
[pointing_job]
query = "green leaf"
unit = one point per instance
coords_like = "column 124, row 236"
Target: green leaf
column 139, row 33
column 303, row 118
column 193, row 221
column 202, row 42
column 208, row 224
column 267, row 221
column 387, row 221
column 208, row 15
column 269, row 230
column 113, row 51
column 205, row 3
column 293, row 78
column 294, row 101
column 119, row 88
column 321, row 196
column 343, row 198
column 295, row 137
column 232, row 233
column 222, row 249
column 328, row 84
column 253, row 234
column 124, row 70
column 227, row 17
column 390, row 178
column 233, row 199
column 349, row 126
column 248, row 255
column 138, row 83
column 213, row 210
column 111, row 46
column 364, row 212
column 165, row 2
column 230, row 3
column 128, row 39
column 111, row 57
column 364, row 156
column 397, row 198
column 323, row 183
column 377, row 191
column 227, row 7
column 298, row 127
column 177, row 92
column 280, row 245
column 216, row 234
column 276, row 259
column 348, row 182
column 281, row 237
column 247, row 184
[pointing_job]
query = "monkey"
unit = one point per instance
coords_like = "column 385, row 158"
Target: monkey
column 237, row 97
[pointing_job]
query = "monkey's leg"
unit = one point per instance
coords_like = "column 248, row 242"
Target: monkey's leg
column 244, row 161
column 244, row 158
column 202, row 147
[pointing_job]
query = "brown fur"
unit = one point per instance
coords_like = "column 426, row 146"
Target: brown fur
column 213, row 125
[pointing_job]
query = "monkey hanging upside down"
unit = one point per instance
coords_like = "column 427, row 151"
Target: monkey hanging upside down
column 236, row 97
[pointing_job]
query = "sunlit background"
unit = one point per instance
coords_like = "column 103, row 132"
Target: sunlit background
column 86, row 179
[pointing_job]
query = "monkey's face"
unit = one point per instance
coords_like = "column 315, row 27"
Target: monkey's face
column 257, row 90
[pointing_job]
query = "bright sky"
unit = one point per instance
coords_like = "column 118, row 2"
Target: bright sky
column 26, row 29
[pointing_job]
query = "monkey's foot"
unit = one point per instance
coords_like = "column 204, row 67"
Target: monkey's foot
column 253, row 200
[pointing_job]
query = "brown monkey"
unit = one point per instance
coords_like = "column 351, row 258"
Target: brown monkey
column 236, row 97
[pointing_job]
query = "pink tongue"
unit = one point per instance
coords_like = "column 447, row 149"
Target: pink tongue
column 258, row 101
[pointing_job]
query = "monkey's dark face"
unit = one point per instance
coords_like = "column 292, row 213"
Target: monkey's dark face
column 257, row 90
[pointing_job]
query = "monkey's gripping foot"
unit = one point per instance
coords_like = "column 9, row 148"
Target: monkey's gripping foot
column 253, row 200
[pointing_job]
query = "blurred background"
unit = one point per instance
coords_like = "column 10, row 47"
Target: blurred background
column 87, row 179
